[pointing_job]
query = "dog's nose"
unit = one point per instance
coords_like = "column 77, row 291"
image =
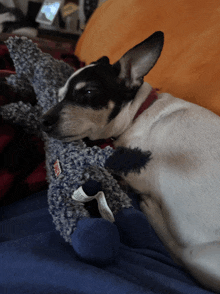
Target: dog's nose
column 48, row 122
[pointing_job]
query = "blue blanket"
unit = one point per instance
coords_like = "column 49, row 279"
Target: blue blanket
column 35, row 259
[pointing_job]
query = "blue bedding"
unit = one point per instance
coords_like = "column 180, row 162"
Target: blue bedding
column 35, row 259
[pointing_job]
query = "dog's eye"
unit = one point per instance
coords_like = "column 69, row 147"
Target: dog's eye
column 90, row 91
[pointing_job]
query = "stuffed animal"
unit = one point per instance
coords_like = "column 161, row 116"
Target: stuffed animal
column 76, row 173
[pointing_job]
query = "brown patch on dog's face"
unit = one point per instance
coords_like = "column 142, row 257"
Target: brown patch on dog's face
column 77, row 122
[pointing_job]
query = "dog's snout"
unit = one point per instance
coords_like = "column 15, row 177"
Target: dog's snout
column 48, row 122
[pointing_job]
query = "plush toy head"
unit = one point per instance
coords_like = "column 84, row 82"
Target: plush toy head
column 36, row 70
column 69, row 165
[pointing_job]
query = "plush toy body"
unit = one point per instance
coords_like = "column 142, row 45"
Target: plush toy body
column 72, row 165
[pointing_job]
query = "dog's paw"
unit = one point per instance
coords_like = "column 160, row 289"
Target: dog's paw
column 150, row 208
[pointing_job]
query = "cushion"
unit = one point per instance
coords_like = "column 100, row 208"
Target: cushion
column 189, row 66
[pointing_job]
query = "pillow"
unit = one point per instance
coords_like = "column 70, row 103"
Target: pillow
column 189, row 66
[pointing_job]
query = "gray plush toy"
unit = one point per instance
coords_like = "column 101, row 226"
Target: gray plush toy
column 70, row 166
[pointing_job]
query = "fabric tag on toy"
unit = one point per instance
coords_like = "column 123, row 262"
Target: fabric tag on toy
column 57, row 168
column 105, row 211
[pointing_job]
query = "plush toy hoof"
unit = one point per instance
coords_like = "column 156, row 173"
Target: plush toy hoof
column 96, row 240
column 133, row 227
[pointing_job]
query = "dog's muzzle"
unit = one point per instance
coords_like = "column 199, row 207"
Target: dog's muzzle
column 48, row 122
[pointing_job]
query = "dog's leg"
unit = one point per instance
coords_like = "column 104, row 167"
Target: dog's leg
column 203, row 262
column 154, row 214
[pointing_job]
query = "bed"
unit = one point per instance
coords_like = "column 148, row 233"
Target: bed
column 34, row 258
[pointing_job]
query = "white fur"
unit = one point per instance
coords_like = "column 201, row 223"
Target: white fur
column 183, row 181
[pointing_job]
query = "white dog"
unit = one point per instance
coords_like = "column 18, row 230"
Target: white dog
column 180, row 186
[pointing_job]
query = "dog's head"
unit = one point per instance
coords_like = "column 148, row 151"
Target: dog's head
column 95, row 102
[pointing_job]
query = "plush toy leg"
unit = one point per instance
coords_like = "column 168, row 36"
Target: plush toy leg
column 134, row 229
column 96, row 240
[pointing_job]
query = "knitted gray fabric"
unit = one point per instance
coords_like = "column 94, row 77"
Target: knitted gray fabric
column 79, row 163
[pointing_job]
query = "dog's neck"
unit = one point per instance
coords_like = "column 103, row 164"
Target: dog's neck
column 125, row 118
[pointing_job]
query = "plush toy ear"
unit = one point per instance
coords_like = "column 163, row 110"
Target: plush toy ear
column 139, row 60
column 125, row 160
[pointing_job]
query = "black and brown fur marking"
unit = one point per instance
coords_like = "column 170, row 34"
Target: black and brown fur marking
column 97, row 101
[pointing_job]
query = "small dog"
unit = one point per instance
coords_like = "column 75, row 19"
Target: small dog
column 180, row 187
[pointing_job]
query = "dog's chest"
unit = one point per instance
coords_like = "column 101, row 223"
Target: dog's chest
column 183, row 175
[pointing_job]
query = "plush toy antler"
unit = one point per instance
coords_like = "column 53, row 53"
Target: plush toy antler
column 76, row 173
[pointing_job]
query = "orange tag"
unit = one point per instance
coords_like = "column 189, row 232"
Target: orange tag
column 57, row 168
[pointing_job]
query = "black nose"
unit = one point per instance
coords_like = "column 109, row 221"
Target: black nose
column 48, row 122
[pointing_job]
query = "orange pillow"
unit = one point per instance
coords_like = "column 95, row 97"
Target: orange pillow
column 189, row 66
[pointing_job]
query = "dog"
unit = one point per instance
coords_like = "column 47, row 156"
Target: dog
column 180, row 186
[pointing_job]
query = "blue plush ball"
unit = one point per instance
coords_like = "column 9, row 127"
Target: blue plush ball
column 96, row 240
column 134, row 228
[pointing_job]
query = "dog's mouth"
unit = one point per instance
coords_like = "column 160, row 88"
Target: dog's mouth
column 70, row 138
column 64, row 138
column 67, row 139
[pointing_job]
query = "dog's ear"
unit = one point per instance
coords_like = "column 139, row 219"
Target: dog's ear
column 139, row 60
column 103, row 60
